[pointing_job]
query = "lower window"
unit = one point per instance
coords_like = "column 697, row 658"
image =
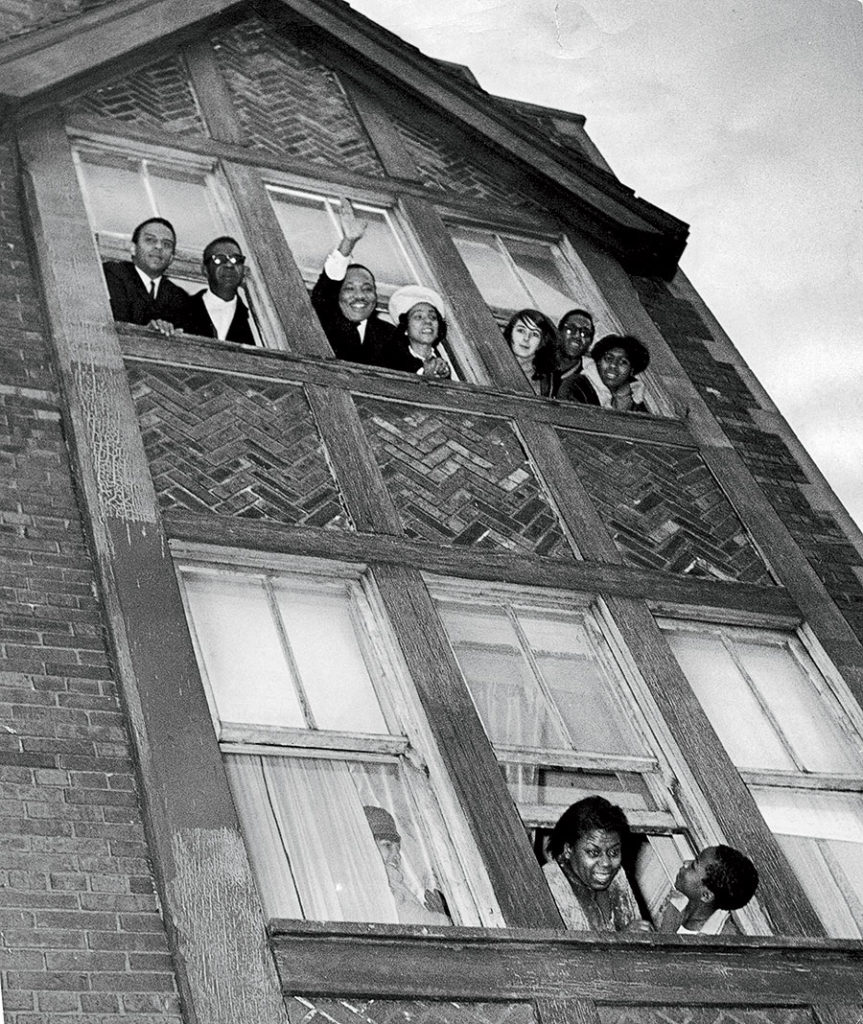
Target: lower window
column 345, row 815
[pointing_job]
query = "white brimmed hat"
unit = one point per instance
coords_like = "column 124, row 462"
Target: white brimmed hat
column 404, row 299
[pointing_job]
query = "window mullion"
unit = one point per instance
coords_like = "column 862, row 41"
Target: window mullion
column 144, row 171
column 527, row 651
column 731, row 647
column 513, row 266
column 288, row 652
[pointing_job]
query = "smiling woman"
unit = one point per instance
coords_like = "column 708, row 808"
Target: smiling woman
column 583, row 871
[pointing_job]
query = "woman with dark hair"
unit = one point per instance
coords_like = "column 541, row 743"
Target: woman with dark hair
column 532, row 338
column 619, row 358
column 583, row 870
column 418, row 314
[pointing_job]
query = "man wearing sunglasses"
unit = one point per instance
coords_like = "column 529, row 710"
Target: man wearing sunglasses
column 218, row 311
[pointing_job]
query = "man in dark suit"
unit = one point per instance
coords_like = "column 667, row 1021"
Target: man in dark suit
column 218, row 311
column 345, row 297
column 139, row 291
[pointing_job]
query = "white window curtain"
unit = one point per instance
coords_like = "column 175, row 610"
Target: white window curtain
column 312, row 845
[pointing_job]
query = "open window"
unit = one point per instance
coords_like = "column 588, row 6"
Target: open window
column 341, row 808
column 564, row 721
column 121, row 189
column 790, row 732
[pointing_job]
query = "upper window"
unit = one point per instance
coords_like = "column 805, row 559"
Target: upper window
column 121, row 191
column 785, row 729
column 327, row 763
column 311, row 226
column 513, row 273
column 564, row 721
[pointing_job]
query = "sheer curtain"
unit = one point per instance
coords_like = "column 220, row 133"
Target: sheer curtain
column 308, row 835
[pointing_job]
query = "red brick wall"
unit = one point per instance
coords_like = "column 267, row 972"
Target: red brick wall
column 80, row 930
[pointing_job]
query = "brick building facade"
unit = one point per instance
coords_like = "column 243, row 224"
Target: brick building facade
column 675, row 598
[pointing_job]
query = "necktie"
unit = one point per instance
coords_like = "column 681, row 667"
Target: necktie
column 153, row 290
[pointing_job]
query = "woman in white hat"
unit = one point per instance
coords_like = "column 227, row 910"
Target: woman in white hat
column 418, row 314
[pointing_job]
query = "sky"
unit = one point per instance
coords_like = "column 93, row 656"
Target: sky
column 743, row 118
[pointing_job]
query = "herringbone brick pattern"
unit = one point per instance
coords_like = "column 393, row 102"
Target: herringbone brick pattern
column 233, row 447
column 766, row 454
column 288, row 103
column 703, row 1015
column 663, row 508
column 446, row 168
column 158, row 95
column 461, row 479
column 405, row 1011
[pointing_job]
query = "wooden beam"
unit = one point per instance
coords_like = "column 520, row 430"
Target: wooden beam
column 210, row 905
column 274, row 265
column 212, row 93
column 617, row 969
column 377, row 382
column 767, row 605
column 494, row 362
column 50, row 56
column 389, row 145
column 779, row 890
column 471, row 763
column 566, row 1011
column 357, row 473
column 591, row 538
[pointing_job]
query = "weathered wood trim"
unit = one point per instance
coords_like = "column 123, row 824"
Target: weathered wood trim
column 50, row 56
column 312, row 174
column 210, row 906
column 471, row 764
column 393, row 153
column 222, row 357
column 357, row 473
column 838, row 1013
column 498, row 365
column 459, row 963
column 211, row 91
column 588, row 531
column 566, row 1011
column 699, row 597
column 779, row 891
column 274, row 266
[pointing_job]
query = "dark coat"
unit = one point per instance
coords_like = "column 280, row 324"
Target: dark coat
column 376, row 349
column 577, row 388
column 196, row 320
column 130, row 301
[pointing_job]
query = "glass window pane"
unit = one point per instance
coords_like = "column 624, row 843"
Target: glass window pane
column 578, row 686
column 508, row 698
column 734, row 712
column 188, row 205
column 543, row 277
column 242, row 652
column 116, row 197
column 334, row 841
column 489, row 269
column 308, row 227
column 808, row 725
column 381, row 252
column 544, row 793
column 329, row 660
column 822, row 836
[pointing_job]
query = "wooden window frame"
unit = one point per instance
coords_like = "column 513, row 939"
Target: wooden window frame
column 663, row 769
column 396, row 695
column 832, row 691
column 187, row 261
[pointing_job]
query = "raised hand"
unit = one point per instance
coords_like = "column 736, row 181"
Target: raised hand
column 353, row 227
